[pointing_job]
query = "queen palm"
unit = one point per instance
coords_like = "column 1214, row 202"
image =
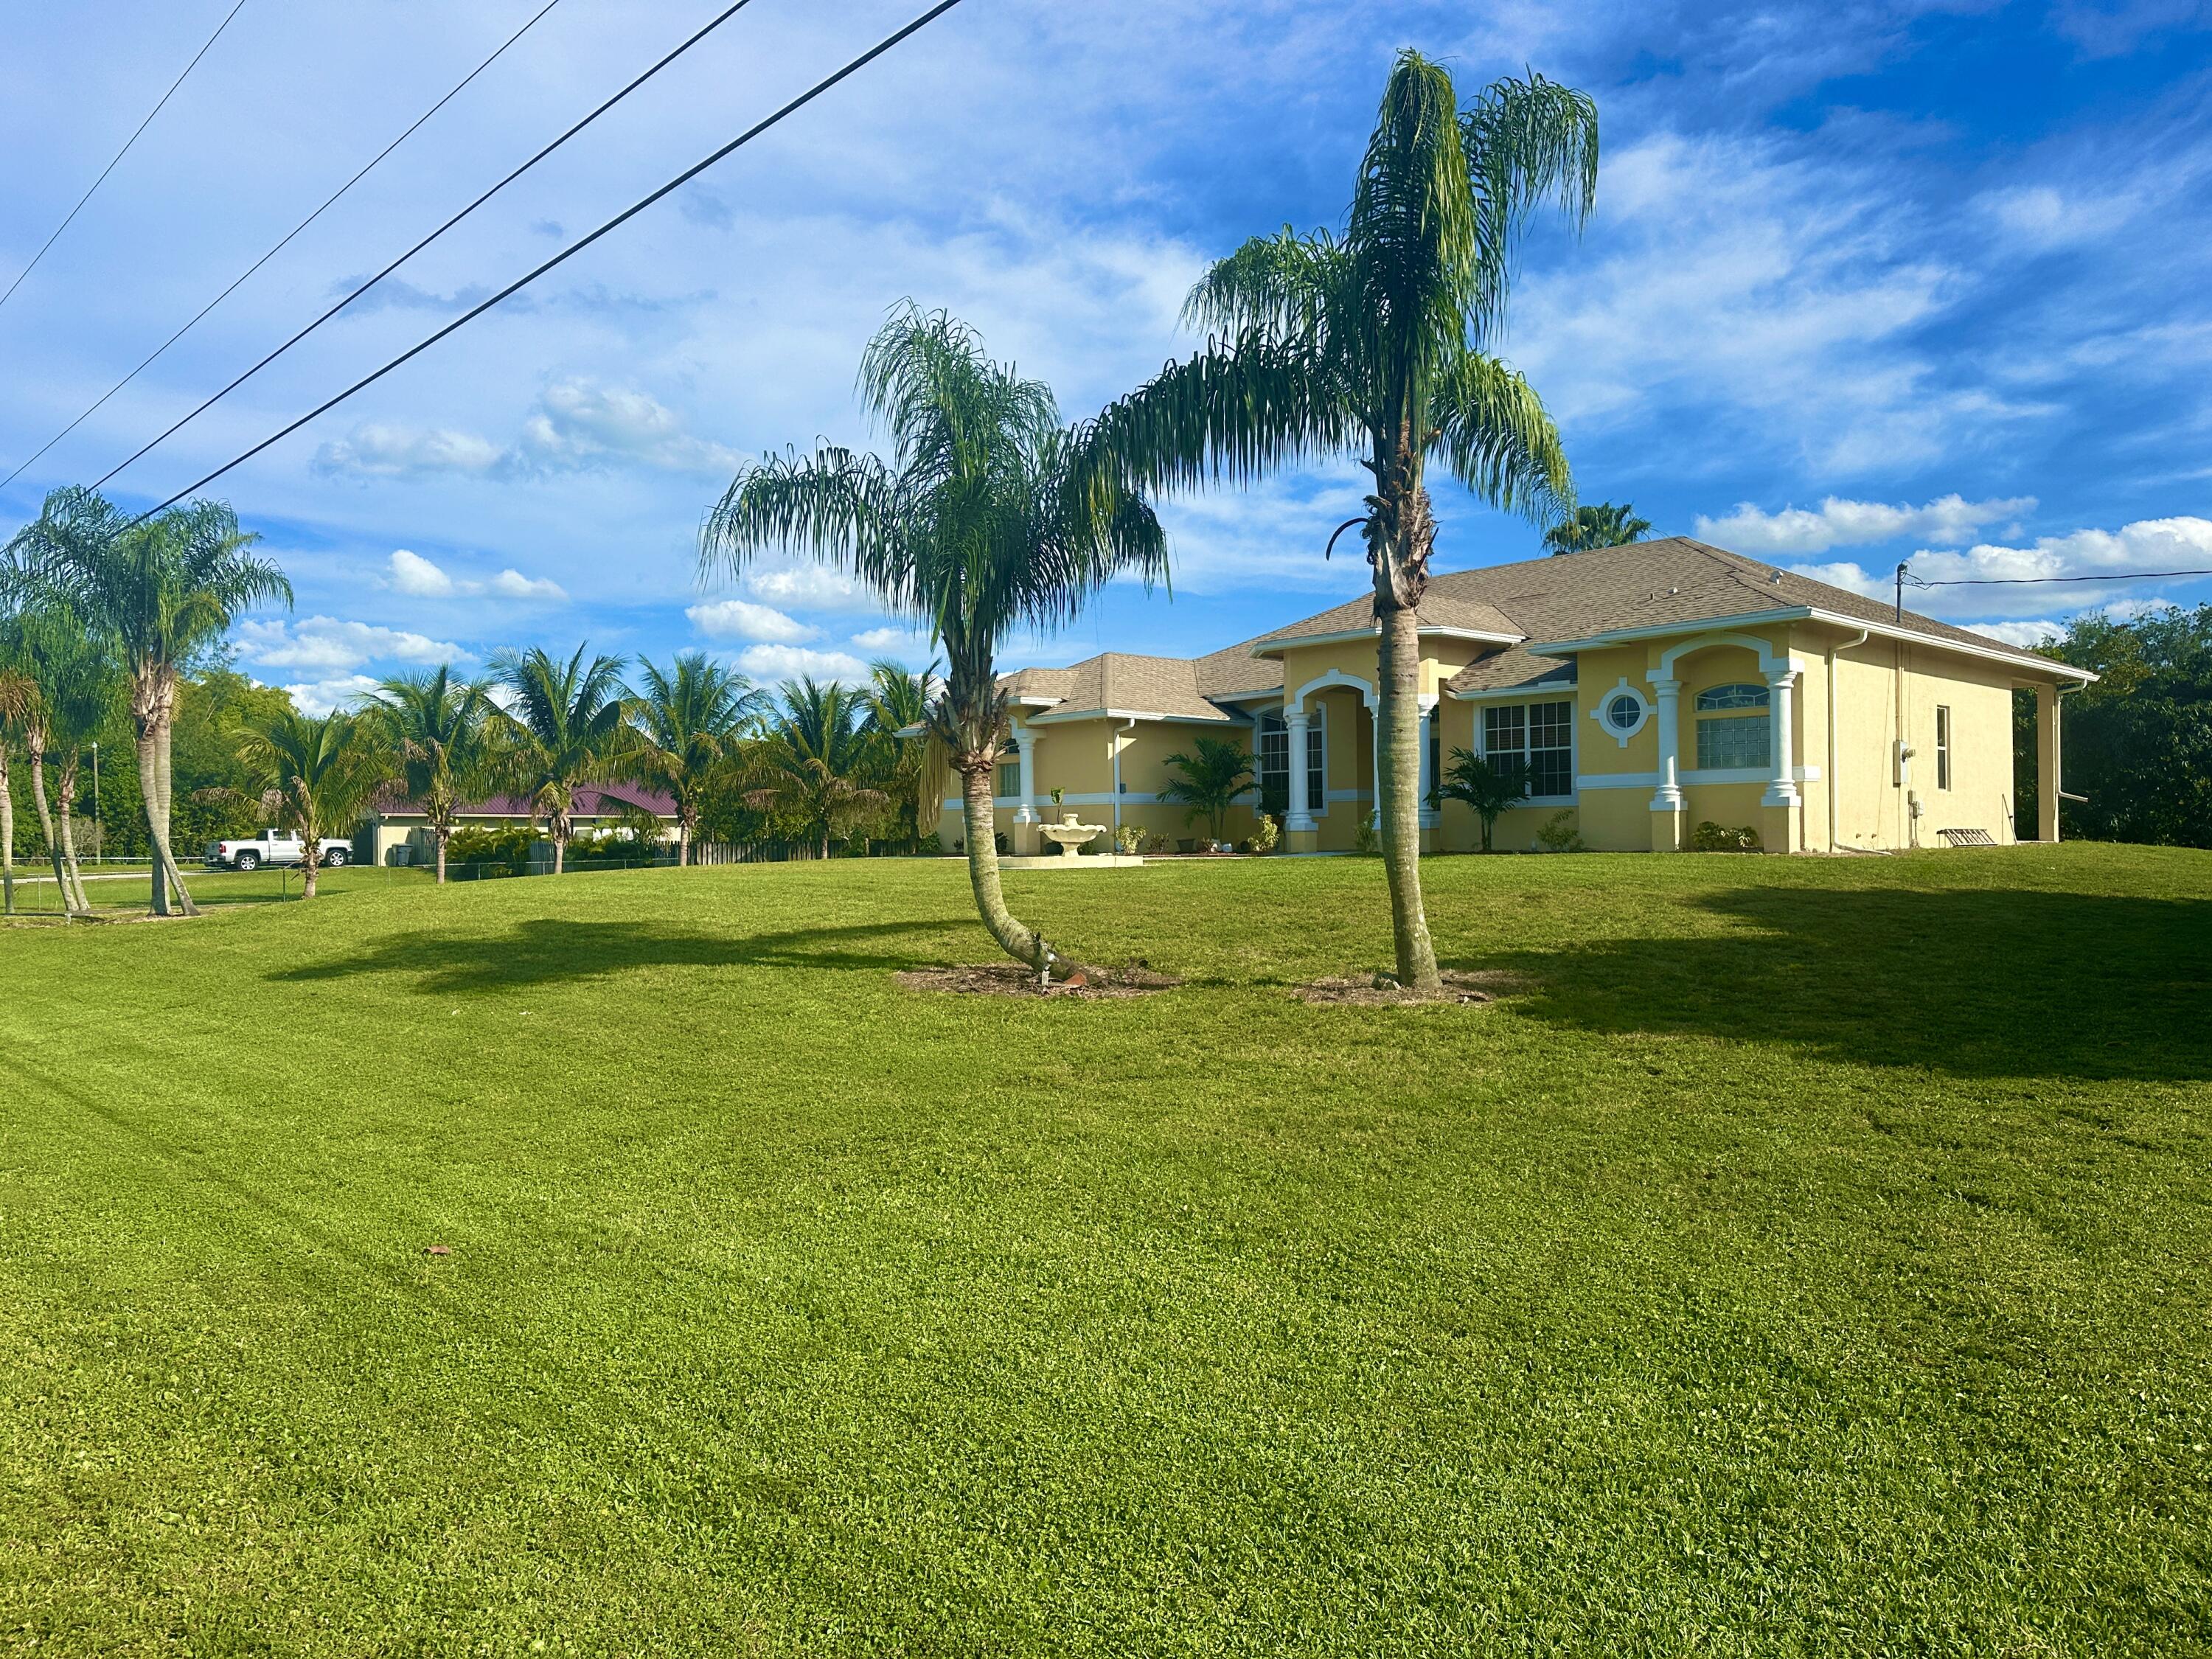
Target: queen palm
column 17, row 693
column 813, row 765
column 1375, row 340
column 1604, row 525
column 989, row 517
column 321, row 772
column 161, row 592
column 434, row 727
column 568, row 725
column 687, row 720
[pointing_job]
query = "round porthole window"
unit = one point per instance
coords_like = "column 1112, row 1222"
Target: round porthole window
column 1623, row 713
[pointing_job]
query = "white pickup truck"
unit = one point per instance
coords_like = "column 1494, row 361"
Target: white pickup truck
column 274, row 847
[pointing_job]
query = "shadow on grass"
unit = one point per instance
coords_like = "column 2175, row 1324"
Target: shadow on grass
column 550, row 951
column 1978, row 984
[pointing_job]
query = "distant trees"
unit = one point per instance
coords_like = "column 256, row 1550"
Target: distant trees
column 689, row 718
column 1212, row 779
column 1602, row 526
column 817, row 763
column 568, row 725
column 2138, row 741
column 435, row 727
column 320, row 774
column 161, row 595
column 913, row 766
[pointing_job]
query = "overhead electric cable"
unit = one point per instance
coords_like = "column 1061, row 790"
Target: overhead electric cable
column 571, row 251
column 328, row 201
column 120, row 153
column 711, row 25
column 2019, row 582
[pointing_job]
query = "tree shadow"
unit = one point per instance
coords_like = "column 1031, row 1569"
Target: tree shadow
column 1984, row 983
column 552, row 951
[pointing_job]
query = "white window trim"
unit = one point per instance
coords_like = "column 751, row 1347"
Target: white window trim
column 1574, row 744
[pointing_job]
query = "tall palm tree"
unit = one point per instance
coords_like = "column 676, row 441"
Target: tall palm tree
column 897, row 703
column 1375, row 341
column 322, row 772
column 570, row 725
column 687, row 719
column 162, row 592
column 435, row 727
column 1602, row 526
column 990, row 516
column 19, row 694
column 814, row 764
column 67, row 697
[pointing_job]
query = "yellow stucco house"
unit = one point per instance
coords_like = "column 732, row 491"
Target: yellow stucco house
column 1647, row 689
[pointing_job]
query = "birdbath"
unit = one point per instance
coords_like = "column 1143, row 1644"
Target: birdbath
column 1068, row 835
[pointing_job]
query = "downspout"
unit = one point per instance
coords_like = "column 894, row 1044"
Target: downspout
column 1836, row 648
column 1127, row 726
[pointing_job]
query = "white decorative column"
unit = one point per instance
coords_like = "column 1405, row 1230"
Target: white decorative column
column 1429, row 815
column 1026, row 812
column 1299, row 723
column 1667, row 799
column 2046, row 763
column 1783, row 791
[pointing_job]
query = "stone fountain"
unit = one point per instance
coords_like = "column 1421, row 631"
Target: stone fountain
column 1068, row 835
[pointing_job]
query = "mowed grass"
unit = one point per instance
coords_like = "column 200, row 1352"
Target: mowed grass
column 1815, row 1257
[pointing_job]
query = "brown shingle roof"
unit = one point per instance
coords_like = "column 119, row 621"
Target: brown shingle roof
column 1440, row 608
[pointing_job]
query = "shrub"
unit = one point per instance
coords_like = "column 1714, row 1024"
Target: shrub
column 1129, row 839
column 1711, row 837
column 1366, row 840
column 1557, row 834
column 932, row 846
column 1266, row 834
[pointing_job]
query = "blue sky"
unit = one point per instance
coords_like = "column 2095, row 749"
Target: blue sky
column 1866, row 281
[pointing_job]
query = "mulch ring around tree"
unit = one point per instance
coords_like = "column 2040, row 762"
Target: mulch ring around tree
column 1380, row 991
column 1010, row 979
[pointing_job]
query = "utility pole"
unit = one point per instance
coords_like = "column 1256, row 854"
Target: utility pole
column 1901, row 568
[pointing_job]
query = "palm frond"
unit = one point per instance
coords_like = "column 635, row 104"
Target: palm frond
column 1525, row 142
column 1499, row 441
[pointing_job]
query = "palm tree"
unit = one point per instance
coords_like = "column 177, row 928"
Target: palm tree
column 687, row 719
column 162, row 592
column 322, row 772
column 19, row 698
column 813, row 765
column 1602, row 526
column 570, row 726
column 1375, row 340
column 66, row 696
column 436, row 728
column 990, row 517
column 898, row 703
column 1211, row 781
column 1488, row 787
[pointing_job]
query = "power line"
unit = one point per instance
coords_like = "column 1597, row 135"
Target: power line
column 120, row 153
column 2020, row 581
column 328, row 203
column 572, row 250
column 708, row 28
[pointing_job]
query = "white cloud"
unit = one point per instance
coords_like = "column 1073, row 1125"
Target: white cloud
column 410, row 573
column 321, row 696
column 413, row 574
column 514, row 585
column 580, row 425
column 811, row 586
column 1840, row 523
column 327, row 645
column 2025, row 635
column 2147, row 545
column 791, row 662
column 893, row 640
column 576, row 427
column 740, row 619
column 382, row 449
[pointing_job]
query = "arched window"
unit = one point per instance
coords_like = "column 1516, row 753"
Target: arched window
column 1733, row 732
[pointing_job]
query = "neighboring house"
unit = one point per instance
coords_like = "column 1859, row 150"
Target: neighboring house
column 401, row 823
column 1647, row 689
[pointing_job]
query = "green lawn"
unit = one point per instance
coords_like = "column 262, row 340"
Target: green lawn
column 1814, row 1257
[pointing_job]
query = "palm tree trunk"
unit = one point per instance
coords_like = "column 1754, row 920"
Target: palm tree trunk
column 7, row 837
column 156, row 711
column 36, row 741
column 560, row 846
column 64, row 796
column 1021, row 943
column 149, row 795
column 1398, row 733
column 310, row 863
column 443, row 834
